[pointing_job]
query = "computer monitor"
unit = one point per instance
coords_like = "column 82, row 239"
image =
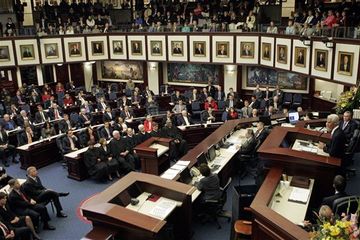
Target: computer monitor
column 266, row 120
column 212, row 153
column 293, row 117
column 201, row 158
column 185, row 176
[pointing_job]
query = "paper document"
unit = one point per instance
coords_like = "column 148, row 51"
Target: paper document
column 170, row 173
column 163, row 208
column 181, row 162
column 299, row 195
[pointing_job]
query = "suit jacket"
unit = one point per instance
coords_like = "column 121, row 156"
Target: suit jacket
column 337, row 144
column 349, row 129
column 38, row 117
column 33, row 188
column 330, row 200
column 104, row 154
column 21, row 121
column 24, row 139
column 107, row 118
column 100, row 106
column 52, row 113
column 63, row 126
column 66, row 143
column 181, row 120
column 248, row 146
column 90, row 160
column 117, row 146
column 7, row 214
column 261, row 136
column 222, row 95
column 205, row 115
column 121, row 103
column 17, row 203
column 82, row 119
column 104, row 134
column 7, row 125
column 5, row 139
column 235, row 103
column 123, row 114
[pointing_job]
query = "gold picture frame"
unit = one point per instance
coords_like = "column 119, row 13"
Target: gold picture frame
column 136, row 48
column 51, row 50
column 27, row 52
column 222, row 49
column 177, row 48
column 321, row 60
column 300, row 57
column 266, row 51
column 74, row 49
column 282, row 51
column 345, row 63
column 156, row 48
column 247, row 50
column 199, row 49
column 97, row 48
column 118, row 47
column 4, row 54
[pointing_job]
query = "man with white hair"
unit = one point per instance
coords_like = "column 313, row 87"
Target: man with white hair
column 142, row 135
column 119, row 151
column 23, row 118
column 336, row 146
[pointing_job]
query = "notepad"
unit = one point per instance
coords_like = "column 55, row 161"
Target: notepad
column 299, row 195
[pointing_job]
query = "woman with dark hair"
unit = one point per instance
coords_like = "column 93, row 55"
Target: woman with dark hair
column 209, row 185
column 47, row 130
column 232, row 114
column 120, row 125
column 88, row 135
column 106, row 157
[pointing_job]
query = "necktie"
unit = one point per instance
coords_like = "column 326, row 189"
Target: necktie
column 24, row 197
column 29, row 138
column 231, row 103
column 57, row 114
column 344, row 125
column 72, row 145
column 86, row 118
column 43, row 116
column 68, row 123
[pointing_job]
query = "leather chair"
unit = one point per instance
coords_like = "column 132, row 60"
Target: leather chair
column 345, row 205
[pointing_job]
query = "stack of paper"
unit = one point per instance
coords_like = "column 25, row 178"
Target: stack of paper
column 299, row 195
column 163, row 208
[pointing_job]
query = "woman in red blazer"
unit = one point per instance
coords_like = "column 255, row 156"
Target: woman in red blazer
column 148, row 124
column 68, row 100
column 232, row 114
column 210, row 102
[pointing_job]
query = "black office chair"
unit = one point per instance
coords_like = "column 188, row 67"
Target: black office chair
column 214, row 209
column 345, row 205
column 249, row 163
column 352, row 148
column 196, row 110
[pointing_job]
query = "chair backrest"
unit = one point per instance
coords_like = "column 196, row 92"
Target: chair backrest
column 221, row 105
column 345, row 205
column 195, row 106
column 224, row 192
column 262, row 104
column 297, row 98
column 26, row 108
column 74, row 117
column 354, row 144
column 112, row 96
column 287, row 98
column 153, row 110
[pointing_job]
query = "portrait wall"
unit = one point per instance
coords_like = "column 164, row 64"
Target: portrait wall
column 75, row 50
column 267, row 51
column 193, row 73
column 156, row 48
column 200, row 48
column 6, row 54
column 346, row 63
column 177, row 48
column 270, row 77
column 122, row 70
column 118, row 49
column 136, row 47
column 321, row 60
column 223, row 49
column 247, row 50
column 51, row 50
column 27, row 52
column 97, row 48
column 283, row 53
column 301, row 57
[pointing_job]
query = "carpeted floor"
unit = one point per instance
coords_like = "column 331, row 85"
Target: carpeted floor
column 73, row 227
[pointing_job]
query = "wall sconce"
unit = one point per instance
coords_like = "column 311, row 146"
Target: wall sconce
column 328, row 42
column 230, row 69
column 59, row 64
column 305, row 40
column 153, row 66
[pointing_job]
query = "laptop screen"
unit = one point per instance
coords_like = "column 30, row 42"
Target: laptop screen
column 212, row 153
column 293, row 117
column 201, row 159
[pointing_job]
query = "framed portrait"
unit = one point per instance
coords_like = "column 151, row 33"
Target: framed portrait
column 75, row 49
column 247, row 49
column 136, row 48
column 118, row 47
column 177, row 48
column 345, row 63
column 4, row 54
column 199, row 49
column 27, row 52
column 156, row 48
column 51, row 50
column 222, row 49
column 282, row 54
column 321, row 59
column 300, row 57
column 266, row 51
column 97, row 48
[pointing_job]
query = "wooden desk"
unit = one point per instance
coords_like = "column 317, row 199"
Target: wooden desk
column 267, row 223
column 151, row 161
column 276, row 152
column 108, row 209
column 194, row 135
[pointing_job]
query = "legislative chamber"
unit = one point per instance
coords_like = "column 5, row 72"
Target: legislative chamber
column 179, row 120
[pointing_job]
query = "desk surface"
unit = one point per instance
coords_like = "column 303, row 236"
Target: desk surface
column 293, row 211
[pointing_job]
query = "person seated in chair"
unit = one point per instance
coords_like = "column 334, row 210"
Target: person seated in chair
column 40, row 115
column 6, row 148
column 70, row 142
column 27, row 137
column 106, row 157
column 106, row 131
column 248, row 146
column 84, row 118
column 66, row 124
column 261, row 133
column 34, row 188
column 207, row 116
column 209, row 185
column 210, row 102
column 184, row 119
column 179, row 107
column 96, row 168
column 178, row 147
column 339, row 185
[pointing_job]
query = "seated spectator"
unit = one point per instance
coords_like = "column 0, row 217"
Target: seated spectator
column 330, row 20
column 127, row 114
column 108, row 115
column 4, row 177
column 209, row 185
column 272, row 28
column 306, row 31
column 7, row 123
column 120, row 125
column 70, row 142
column 105, row 156
column 184, row 119
column 219, row 94
column 179, row 107
column 207, row 116
column 106, row 131
column 339, row 185
column 148, row 123
column 142, row 135
column 27, row 137
column 96, row 168
column 210, row 102
column 84, row 119
column 250, row 21
column 47, row 130
column 248, row 146
column 66, row 124
column 232, row 114
column 290, row 29
column 246, row 110
column 178, row 147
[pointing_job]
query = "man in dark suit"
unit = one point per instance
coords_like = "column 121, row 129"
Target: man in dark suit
column 65, row 124
column 219, row 94
column 250, row 143
column 106, row 131
column 119, row 151
column 75, row 49
column 55, row 112
column 136, row 48
column 347, row 125
column 27, row 53
column 156, row 49
column 261, row 132
column 6, row 148
column 96, row 168
column 345, row 65
column 33, row 188
column 40, row 115
column 184, row 119
column 169, row 117
column 222, row 51
column 25, row 206
column 199, row 50
column 131, row 141
column 207, row 116
column 127, row 114
column 339, row 185
column 70, row 142
column 267, row 95
column 300, row 59
column 27, row 137
column 177, row 49
column 231, row 102
column 23, row 118
column 98, row 48
column 178, row 147
column 108, row 115
column 338, row 139
column 85, row 119
column 246, row 52
column 211, row 89
column 118, row 47
column 320, row 60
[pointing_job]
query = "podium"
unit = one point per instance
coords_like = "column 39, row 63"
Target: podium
column 108, row 210
column 278, row 151
column 152, row 155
